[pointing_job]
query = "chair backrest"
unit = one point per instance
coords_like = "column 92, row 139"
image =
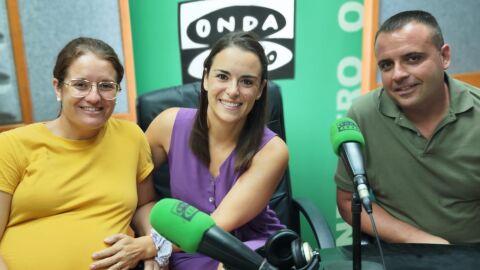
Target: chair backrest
column 151, row 104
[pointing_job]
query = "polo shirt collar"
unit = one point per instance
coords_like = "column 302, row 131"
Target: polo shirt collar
column 460, row 98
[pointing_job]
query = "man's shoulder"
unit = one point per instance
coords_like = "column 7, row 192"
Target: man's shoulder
column 460, row 85
column 473, row 90
column 464, row 95
column 366, row 104
column 370, row 98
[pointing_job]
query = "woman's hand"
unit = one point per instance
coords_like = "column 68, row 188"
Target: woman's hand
column 3, row 266
column 151, row 264
column 124, row 252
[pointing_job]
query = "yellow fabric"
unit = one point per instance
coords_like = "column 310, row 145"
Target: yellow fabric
column 68, row 195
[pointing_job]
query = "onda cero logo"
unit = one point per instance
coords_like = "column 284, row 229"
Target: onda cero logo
column 201, row 23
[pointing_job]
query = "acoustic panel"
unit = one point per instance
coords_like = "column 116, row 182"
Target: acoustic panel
column 47, row 26
column 460, row 26
column 9, row 100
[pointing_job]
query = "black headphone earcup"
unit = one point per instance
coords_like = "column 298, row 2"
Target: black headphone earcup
column 278, row 249
column 301, row 253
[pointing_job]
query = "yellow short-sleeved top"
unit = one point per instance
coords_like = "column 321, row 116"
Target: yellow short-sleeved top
column 68, row 195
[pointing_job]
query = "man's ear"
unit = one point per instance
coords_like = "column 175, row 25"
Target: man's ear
column 445, row 53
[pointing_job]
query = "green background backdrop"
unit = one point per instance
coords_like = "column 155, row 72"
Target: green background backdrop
column 319, row 93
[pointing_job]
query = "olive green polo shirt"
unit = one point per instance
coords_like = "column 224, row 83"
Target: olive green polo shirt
column 431, row 184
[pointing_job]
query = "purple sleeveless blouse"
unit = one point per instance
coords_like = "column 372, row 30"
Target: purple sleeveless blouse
column 192, row 182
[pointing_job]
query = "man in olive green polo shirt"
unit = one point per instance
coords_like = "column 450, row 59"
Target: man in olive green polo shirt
column 422, row 140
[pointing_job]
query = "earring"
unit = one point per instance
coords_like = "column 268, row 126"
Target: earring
column 58, row 99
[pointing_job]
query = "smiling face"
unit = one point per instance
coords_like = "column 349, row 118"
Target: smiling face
column 233, row 84
column 84, row 117
column 412, row 67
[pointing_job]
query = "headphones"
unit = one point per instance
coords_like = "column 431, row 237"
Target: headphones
column 284, row 250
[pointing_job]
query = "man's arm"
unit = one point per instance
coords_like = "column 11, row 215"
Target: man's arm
column 389, row 228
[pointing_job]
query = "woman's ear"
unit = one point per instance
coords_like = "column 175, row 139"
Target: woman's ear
column 262, row 88
column 205, row 79
column 57, row 88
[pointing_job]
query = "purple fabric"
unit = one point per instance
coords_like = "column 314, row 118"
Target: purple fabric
column 192, row 182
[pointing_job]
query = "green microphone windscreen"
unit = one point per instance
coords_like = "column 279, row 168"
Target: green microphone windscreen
column 344, row 130
column 181, row 223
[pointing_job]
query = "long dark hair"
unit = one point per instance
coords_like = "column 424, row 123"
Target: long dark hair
column 252, row 132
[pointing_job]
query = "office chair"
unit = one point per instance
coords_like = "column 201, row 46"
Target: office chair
column 288, row 209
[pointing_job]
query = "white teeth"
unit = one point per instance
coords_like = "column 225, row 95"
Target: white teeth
column 230, row 104
column 91, row 109
column 407, row 87
column 404, row 88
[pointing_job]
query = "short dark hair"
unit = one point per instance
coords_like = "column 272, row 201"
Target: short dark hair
column 80, row 46
column 401, row 19
column 252, row 132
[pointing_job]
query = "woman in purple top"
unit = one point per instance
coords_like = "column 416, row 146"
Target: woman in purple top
column 222, row 158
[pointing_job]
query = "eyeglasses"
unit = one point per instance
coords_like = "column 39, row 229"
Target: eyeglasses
column 81, row 88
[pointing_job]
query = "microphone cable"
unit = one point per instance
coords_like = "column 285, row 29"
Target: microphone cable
column 374, row 227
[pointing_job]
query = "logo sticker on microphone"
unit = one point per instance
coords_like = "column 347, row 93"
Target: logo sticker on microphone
column 184, row 210
column 347, row 125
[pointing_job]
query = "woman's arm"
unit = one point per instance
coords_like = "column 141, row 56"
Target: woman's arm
column 141, row 221
column 254, row 187
column 159, row 133
column 125, row 251
column 5, row 201
column 146, row 200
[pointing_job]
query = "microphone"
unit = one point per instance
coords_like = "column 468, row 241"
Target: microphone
column 195, row 231
column 347, row 142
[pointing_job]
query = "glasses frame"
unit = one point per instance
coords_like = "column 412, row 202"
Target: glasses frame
column 117, row 90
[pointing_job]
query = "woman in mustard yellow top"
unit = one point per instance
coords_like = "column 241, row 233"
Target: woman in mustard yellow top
column 69, row 188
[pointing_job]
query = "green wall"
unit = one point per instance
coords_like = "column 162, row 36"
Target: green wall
column 327, row 75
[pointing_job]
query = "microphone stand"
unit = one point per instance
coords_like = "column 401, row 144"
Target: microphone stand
column 356, row 228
